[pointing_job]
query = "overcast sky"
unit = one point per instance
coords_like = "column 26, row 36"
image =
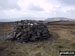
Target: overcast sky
column 11, row 9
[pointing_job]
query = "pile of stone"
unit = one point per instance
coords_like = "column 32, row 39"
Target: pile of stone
column 26, row 31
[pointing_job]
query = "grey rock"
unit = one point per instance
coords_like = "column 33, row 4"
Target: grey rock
column 27, row 31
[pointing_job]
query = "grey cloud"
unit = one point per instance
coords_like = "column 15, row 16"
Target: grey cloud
column 63, row 2
column 9, row 4
column 68, row 2
column 34, row 8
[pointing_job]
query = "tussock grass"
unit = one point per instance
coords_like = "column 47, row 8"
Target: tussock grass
column 63, row 39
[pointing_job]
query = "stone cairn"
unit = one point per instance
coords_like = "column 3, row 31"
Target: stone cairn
column 29, row 31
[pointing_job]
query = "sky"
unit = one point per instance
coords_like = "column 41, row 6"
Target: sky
column 36, row 9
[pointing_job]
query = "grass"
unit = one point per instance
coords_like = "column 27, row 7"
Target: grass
column 63, row 39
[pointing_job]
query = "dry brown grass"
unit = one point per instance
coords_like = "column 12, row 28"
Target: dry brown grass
column 5, row 28
column 63, row 40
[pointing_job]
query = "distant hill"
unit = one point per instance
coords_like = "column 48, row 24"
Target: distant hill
column 59, row 19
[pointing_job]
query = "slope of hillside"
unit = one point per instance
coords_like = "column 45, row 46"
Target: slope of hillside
column 59, row 19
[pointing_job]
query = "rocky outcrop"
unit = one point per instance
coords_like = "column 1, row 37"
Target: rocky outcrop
column 26, row 31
